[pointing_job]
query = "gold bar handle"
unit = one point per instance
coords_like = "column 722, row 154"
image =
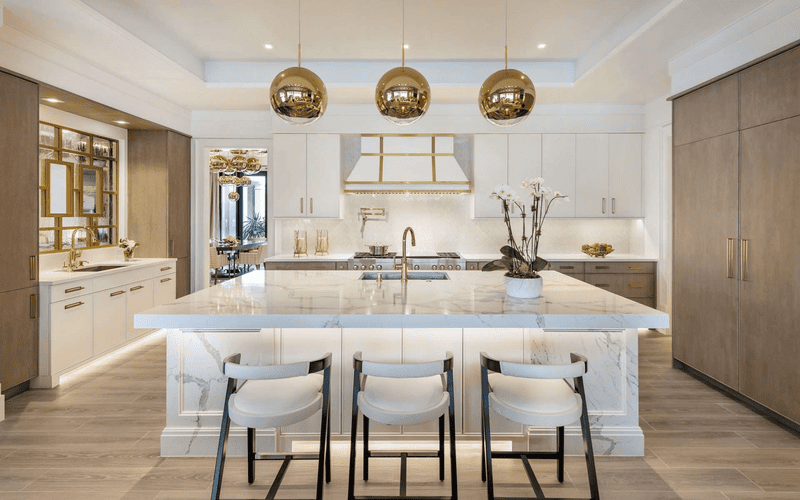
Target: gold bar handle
column 743, row 251
column 311, row 203
column 166, row 279
column 118, row 293
column 604, row 205
column 601, row 267
column 301, row 205
column 137, row 288
column 730, row 258
column 636, row 268
column 635, row 285
column 166, row 268
column 602, row 285
column 34, row 308
column 70, row 306
column 32, row 265
column 74, row 289
column 566, row 267
column 613, row 205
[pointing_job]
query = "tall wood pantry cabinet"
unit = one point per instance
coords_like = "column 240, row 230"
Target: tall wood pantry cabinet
column 19, row 224
column 736, row 255
column 159, row 198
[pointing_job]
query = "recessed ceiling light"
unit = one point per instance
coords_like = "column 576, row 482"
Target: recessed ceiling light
column 52, row 100
column 121, row 122
column 542, row 45
column 269, row 46
column 406, row 46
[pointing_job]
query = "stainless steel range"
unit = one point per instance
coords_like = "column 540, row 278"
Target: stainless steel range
column 442, row 261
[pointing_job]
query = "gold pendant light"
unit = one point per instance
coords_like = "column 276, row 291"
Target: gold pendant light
column 403, row 95
column 507, row 97
column 297, row 94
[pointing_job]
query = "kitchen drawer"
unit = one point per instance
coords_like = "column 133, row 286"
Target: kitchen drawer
column 645, row 301
column 566, row 267
column 165, row 269
column 300, row 266
column 620, row 267
column 63, row 291
column 627, row 285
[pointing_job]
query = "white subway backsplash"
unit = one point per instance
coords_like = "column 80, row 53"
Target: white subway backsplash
column 442, row 223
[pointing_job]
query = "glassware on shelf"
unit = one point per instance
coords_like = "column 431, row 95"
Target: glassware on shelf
column 300, row 243
column 322, row 242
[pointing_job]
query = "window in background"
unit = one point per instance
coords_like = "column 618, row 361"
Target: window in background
column 246, row 217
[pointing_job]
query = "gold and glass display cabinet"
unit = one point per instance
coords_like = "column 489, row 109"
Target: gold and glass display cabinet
column 78, row 186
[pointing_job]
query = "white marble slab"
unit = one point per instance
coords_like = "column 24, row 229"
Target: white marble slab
column 338, row 299
column 64, row 276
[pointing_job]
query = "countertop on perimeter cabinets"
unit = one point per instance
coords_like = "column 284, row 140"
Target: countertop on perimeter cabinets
column 55, row 276
column 572, row 257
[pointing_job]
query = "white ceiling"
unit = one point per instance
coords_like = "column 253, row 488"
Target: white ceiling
column 209, row 54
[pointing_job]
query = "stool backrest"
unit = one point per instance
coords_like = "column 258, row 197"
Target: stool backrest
column 403, row 370
column 577, row 368
column 232, row 369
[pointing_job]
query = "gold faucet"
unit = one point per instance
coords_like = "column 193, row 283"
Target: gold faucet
column 73, row 263
column 403, row 265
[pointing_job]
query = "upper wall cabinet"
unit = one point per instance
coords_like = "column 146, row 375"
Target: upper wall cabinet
column 591, row 175
column 306, row 176
column 503, row 159
column 558, row 170
column 769, row 90
column 708, row 112
column 608, row 175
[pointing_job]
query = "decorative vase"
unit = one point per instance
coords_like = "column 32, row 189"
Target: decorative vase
column 524, row 288
column 127, row 253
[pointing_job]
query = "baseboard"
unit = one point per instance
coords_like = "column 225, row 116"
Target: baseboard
column 755, row 406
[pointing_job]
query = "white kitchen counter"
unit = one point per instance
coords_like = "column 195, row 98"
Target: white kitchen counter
column 324, row 299
column 572, row 257
column 56, row 276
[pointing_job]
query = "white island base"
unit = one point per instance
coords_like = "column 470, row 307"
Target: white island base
column 196, row 388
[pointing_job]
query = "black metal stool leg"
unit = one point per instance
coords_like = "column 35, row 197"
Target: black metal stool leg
column 328, row 450
column 487, row 432
column 587, row 443
column 251, row 455
column 483, row 450
column 452, row 419
column 560, row 448
column 222, row 447
column 366, row 448
column 441, row 448
column 323, row 432
column 351, row 482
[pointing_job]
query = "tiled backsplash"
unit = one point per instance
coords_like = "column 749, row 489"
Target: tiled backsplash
column 443, row 223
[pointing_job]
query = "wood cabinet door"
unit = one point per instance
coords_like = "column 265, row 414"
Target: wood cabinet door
column 183, row 278
column 323, row 176
column 19, row 203
column 769, row 90
column 625, row 175
column 19, row 336
column 705, row 299
column 490, row 168
column 770, row 286
column 179, row 166
column 558, row 170
column 707, row 112
column 289, row 175
column 591, row 176
column 148, row 192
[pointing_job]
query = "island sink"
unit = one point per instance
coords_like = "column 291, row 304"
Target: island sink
column 411, row 276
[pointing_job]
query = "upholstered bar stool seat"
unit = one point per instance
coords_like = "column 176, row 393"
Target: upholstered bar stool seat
column 539, row 402
column 403, row 401
column 276, row 403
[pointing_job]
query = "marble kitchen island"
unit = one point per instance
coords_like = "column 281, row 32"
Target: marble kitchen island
column 287, row 316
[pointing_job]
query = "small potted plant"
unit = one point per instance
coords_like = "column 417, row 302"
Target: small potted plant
column 520, row 259
column 127, row 247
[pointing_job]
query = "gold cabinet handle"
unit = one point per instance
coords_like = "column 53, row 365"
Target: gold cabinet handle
column 311, row 203
column 602, row 267
column 635, row 285
column 743, row 250
column 120, row 292
column 166, row 279
column 613, row 205
column 636, row 268
column 32, row 265
column 137, row 288
column 301, row 205
column 73, row 289
column 70, row 306
column 34, row 308
column 730, row 259
column 566, row 267
column 602, row 285
column 604, row 205
column 166, row 268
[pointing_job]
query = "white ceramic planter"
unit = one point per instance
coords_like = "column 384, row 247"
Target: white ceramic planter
column 524, row 288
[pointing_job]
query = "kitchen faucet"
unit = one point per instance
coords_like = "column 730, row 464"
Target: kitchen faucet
column 73, row 262
column 403, row 265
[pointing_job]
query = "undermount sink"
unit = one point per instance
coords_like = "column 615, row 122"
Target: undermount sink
column 426, row 276
column 94, row 269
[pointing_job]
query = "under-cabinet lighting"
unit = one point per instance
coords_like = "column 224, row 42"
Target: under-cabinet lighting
column 53, row 100
column 542, row 45
column 406, row 46
column 269, row 46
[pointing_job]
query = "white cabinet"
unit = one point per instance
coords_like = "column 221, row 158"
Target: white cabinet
column 490, row 168
column 109, row 307
column 591, row 175
column 164, row 289
column 625, row 175
column 306, row 176
column 524, row 159
column 140, row 298
column 73, row 341
column 558, row 170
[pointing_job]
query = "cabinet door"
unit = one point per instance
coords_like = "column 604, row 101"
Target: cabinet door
column 19, row 123
column 289, row 175
column 769, row 90
column 183, row 277
column 625, row 175
column 524, row 161
column 179, row 174
column 323, row 175
column 591, row 176
column 19, row 336
column 704, row 299
column 558, row 170
column 490, row 169
column 163, row 289
column 109, row 307
column 71, row 331
column 707, row 112
column 140, row 298
column 770, row 286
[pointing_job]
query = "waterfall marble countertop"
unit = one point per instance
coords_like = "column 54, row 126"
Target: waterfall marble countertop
column 339, row 299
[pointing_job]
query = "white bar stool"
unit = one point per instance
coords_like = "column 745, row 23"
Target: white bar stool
column 403, row 394
column 274, row 396
column 539, row 395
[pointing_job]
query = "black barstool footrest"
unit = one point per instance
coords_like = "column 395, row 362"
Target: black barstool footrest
column 536, row 455
column 284, row 456
column 411, row 497
column 399, row 454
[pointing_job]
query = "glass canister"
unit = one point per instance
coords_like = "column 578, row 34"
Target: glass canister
column 300, row 243
column 322, row 242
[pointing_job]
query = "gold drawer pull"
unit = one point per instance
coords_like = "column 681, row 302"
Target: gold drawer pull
column 166, row 268
column 602, row 267
column 118, row 293
column 34, row 306
column 566, row 267
column 166, row 279
column 32, row 268
column 75, row 289
column 635, row 285
column 70, row 306
column 602, row 285
column 636, row 268
column 137, row 288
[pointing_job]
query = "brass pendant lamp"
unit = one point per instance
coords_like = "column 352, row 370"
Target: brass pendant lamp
column 403, row 95
column 507, row 97
column 297, row 94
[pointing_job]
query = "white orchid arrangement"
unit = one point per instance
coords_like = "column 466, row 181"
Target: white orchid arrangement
column 521, row 260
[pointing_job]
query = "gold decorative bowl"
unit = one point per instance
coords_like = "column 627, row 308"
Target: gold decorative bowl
column 597, row 249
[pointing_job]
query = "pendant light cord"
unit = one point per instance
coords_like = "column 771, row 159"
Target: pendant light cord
column 299, row 49
column 506, row 34
column 404, row 35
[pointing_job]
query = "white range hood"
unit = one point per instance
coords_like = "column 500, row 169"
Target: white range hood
column 407, row 163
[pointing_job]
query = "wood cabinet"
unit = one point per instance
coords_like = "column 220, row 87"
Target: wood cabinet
column 769, row 90
column 558, row 170
column 159, row 194
column 19, row 334
column 306, row 176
